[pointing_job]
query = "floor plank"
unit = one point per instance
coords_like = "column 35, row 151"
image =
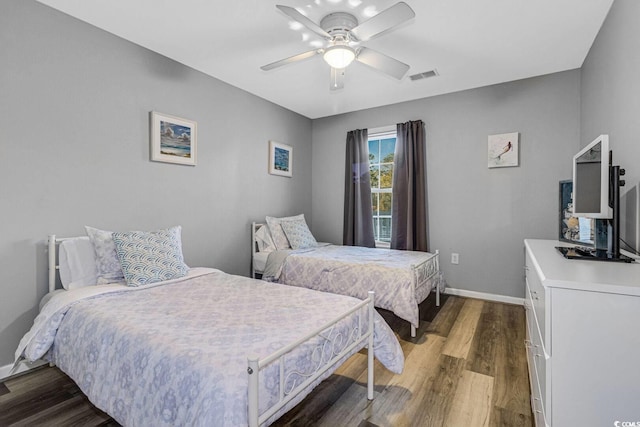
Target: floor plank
column 482, row 354
column 512, row 390
column 440, row 391
column 472, row 402
column 462, row 333
column 446, row 318
column 3, row 389
column 406, row 394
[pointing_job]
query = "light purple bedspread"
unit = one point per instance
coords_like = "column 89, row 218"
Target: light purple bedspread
column 176, row 354
column 355, row 270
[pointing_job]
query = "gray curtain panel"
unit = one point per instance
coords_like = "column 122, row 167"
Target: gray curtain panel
column 409, row 205
column 358, row 215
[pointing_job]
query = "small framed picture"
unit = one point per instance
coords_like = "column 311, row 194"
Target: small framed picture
column 173, row 139
column 280, row 159
column 503, row 150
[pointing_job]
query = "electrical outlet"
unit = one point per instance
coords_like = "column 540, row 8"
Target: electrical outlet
column 455, row 258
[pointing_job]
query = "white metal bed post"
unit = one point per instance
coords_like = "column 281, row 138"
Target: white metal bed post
column 438, row 281
column 51, row 247
column 370, row 349
column 253, row 371
column 253, row 248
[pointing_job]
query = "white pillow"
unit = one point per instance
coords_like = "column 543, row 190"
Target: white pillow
column 77, row 261
column 264, row 240
column 277, row 233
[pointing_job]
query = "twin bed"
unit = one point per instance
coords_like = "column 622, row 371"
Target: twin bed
column 204, row 349
column 401, row 280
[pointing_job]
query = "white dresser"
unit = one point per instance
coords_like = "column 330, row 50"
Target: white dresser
column 583, row 338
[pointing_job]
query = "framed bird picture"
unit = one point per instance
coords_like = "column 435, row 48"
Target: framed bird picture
column 503, row 150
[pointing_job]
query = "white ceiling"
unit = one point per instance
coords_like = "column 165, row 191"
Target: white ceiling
column 471, row 43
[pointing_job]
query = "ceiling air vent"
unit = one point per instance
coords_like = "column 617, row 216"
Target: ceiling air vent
column 424, row 75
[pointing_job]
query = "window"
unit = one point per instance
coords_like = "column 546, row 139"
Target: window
column 381, row 149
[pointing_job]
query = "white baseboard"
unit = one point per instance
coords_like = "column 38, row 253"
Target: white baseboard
column 484, row 296
column 5, row 371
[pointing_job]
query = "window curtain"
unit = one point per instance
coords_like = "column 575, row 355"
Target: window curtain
column 409, row 205
column 358, row 214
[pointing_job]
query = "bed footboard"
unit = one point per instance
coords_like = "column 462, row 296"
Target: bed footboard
column 426, row 274
column 327, row 354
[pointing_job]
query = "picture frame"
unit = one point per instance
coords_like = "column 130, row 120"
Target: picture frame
column 280, row 159
column 173, row 139
column 503, row 150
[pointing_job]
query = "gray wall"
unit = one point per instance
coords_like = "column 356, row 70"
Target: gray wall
column 482, row 214
column 611, row 100
column 74, row 150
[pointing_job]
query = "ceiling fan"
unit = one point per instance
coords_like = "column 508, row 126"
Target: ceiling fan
column 344, row 34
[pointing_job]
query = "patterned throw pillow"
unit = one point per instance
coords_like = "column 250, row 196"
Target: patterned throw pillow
column 107, row 262
column 298, row 233
column 149, row 257
column 277, row 233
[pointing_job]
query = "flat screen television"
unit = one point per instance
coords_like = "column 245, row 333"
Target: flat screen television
column 591, row 180
column 596, row 194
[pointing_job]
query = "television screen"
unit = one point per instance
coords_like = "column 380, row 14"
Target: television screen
column 591, row 180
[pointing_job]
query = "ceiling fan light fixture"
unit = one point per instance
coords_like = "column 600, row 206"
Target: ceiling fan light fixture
column 339, row 56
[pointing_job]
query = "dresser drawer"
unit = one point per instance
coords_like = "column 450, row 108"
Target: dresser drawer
column 540, row 361
column 530, row 317
column 537, row 402
column 538, row 353
column 537, row 293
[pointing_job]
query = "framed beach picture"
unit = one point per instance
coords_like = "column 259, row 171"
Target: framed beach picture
column 503, row 150
column 173, row 140
column 280, row 159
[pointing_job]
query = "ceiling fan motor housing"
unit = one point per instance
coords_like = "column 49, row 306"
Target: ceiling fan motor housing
column 339, row 24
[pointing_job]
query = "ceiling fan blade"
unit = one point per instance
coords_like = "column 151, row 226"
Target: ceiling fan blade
column 297, row 16
column 385, row 20
column 291, row 59
column 382, row 62
column 337, row 79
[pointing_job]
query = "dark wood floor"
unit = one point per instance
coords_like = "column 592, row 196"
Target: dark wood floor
column 466, row 367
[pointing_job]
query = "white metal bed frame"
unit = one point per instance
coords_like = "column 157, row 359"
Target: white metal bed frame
column 429, row 268
column 338, row 346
